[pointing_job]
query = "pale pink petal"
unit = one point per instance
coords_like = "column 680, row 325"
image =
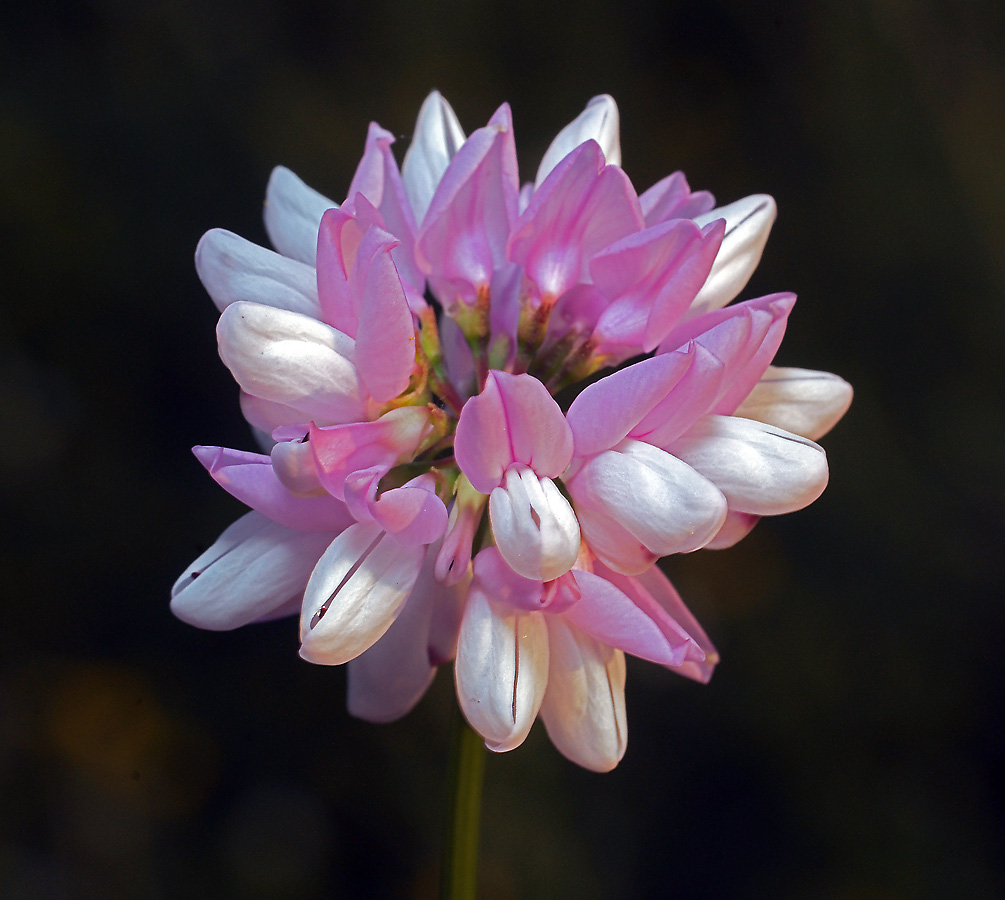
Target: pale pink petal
column 501, row 669
column 251, row 570
column 759, row 469
column 293, row 463
column 292, row 214
column 533, row 525
column 338, row 238
column 462, row 240
column 387, row 680
column 598, row 122
column 513, row 420
column 802, row 401
column 438, row 136
column 659, row 499
column 465, row 515
column 584, row 706
column 355, row 591
column 613, row 543
column 250, row 478
column 748, row 223
column 671, row 198
column 633, row 623
column 232, row 268
column 736, row 527
column 412, row 513
column 294, row 360
column 267, row 415
column 582, row 207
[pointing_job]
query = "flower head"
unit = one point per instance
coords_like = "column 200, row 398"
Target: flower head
column 424, row 496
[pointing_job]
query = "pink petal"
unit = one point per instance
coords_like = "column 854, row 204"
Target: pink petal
column 343, row 449
column 250, row 478
column 671, row 198
column 462, row 240
column 584, row 706
column 736, row 527
column 635, row 624
column 582, row 207
column 513, row 420
column 650, row 279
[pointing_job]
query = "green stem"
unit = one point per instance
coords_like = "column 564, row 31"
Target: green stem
column 460, row 850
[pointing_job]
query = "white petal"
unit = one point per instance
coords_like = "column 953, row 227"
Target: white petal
column 354, row 593
column 251, row 570
column 802, row 401
column 660, row 500
column 387, row 680
column 584, row 706
column 535, row 528
column 501, row 670
column 232, row 268
column 748, row 223
column 438, row 136
column 759, row 468
column 292, row 215
column 292, row 359
column 599, row 122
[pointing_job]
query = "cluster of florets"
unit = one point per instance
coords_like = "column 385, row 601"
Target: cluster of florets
column 424, row 497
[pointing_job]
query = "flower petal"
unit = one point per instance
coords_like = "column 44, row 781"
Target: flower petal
column 671, row 198
column 748, row 223
column 534, row 526
column 355, row 591
column 232, row 268
column 292, row 214
column 802, row 401
column 584, row 706
column 659, row 499
column 292, row 359
column 251, row 570
column 438, row 137
column 760, row 469
column 513, row 420
column 598, row 122
column 501, row 669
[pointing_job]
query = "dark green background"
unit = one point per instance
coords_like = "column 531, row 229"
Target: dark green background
column 850, row 745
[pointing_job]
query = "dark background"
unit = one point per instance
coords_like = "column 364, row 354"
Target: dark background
column 851, row 743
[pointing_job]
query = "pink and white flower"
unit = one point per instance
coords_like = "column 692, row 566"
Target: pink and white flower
column 424, row 497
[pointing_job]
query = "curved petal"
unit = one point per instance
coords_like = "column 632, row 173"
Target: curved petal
column 671, row 198
column 598, row 122
column 534, row 526
column 355, row 592
column 232, row 268
column 292, row 359
column 659, row 499
column 748, row 223
column 387, row 680
column 513, row 420
column 292, row 214
column 438, row 137
column 760, row 469
column 251, row 479
column 802, row 401
column 584, row 706
column 501, row 669
column 251, row 570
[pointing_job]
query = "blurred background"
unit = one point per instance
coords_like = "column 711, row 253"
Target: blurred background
column 850, row 745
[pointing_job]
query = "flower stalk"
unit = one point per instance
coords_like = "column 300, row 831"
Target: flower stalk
column 459, row 874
